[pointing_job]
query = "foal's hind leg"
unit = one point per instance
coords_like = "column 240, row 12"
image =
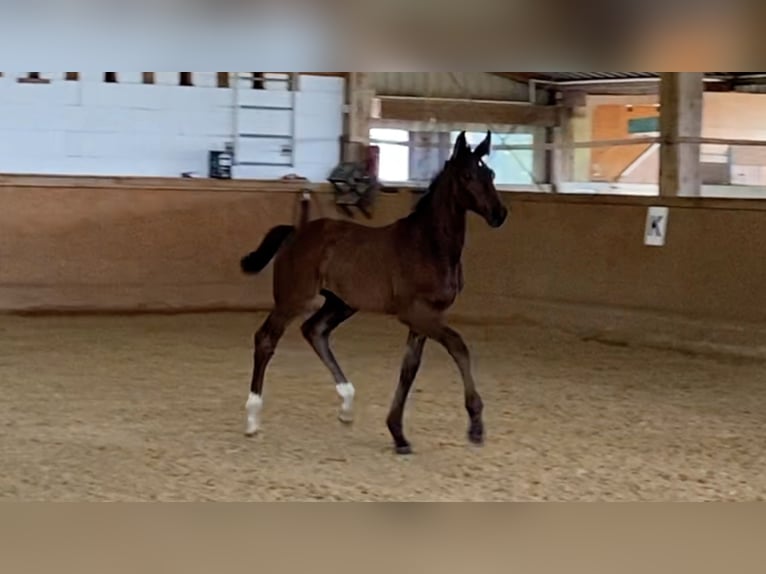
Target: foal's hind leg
column 266, row 340
column 317, row 331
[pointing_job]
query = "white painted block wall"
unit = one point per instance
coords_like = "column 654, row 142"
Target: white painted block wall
column 88, row 127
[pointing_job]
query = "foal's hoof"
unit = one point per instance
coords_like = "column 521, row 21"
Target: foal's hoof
column 346, row 418
column 404, row 450
column 476, row 436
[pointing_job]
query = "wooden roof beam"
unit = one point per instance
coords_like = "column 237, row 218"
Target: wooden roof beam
column 523, row 77
column 440, row 110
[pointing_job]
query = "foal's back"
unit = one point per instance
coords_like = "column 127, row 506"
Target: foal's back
column 361, row 265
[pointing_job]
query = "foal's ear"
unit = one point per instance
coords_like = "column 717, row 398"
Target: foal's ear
column 485, row 147
column 461, row 146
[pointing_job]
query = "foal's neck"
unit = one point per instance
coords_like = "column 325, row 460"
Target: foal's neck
column 444, row 220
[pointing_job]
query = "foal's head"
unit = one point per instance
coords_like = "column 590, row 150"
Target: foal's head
column 475, row 186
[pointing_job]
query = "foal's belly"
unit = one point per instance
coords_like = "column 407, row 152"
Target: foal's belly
column 362, row 282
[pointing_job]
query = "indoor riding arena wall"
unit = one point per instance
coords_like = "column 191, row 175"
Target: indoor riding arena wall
column 574, row 327
column 132, row 245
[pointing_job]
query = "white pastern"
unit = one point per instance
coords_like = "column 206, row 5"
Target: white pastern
column 254, row 406
column 347, row 393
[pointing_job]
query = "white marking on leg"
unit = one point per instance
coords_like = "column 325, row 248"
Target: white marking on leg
column 253, row 407
column 347, row 393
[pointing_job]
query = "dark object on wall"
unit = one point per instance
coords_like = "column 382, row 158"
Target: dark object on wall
column 259, row 80
column 373, row 161
column 715, row 173
column 33, row 78
column 220, row 163
column 355, row 186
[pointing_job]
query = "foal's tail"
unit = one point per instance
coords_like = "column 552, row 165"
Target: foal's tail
column 305, row 204
column 255, row 262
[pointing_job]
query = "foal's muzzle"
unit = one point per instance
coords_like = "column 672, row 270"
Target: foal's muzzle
column 498, row 217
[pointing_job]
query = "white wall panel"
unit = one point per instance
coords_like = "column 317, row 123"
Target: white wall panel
column 89, row 127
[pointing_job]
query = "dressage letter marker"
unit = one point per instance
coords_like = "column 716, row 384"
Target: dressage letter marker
column 656, row 226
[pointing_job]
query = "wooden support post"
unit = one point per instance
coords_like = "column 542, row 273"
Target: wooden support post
column 540, row 161
column 360, row 96
column 571, row 103
column 681, row 99
column 564, row 157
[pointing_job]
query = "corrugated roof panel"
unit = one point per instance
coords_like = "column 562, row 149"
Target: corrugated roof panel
column 595, row 76
column 590, row 76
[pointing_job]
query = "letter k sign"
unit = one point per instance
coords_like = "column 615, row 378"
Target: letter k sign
column 656, row 226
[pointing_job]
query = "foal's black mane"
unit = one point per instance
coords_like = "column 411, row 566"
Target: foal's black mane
column 423, row 204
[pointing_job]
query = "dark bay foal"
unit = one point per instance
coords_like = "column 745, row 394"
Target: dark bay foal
column 410, row 269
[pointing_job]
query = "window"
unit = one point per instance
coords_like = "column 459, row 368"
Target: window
column 394, row 162
column 511, row 166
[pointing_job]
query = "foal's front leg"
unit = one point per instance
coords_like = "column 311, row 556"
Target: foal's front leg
column 410, row 366
column 431, row 326
column 458, row 350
